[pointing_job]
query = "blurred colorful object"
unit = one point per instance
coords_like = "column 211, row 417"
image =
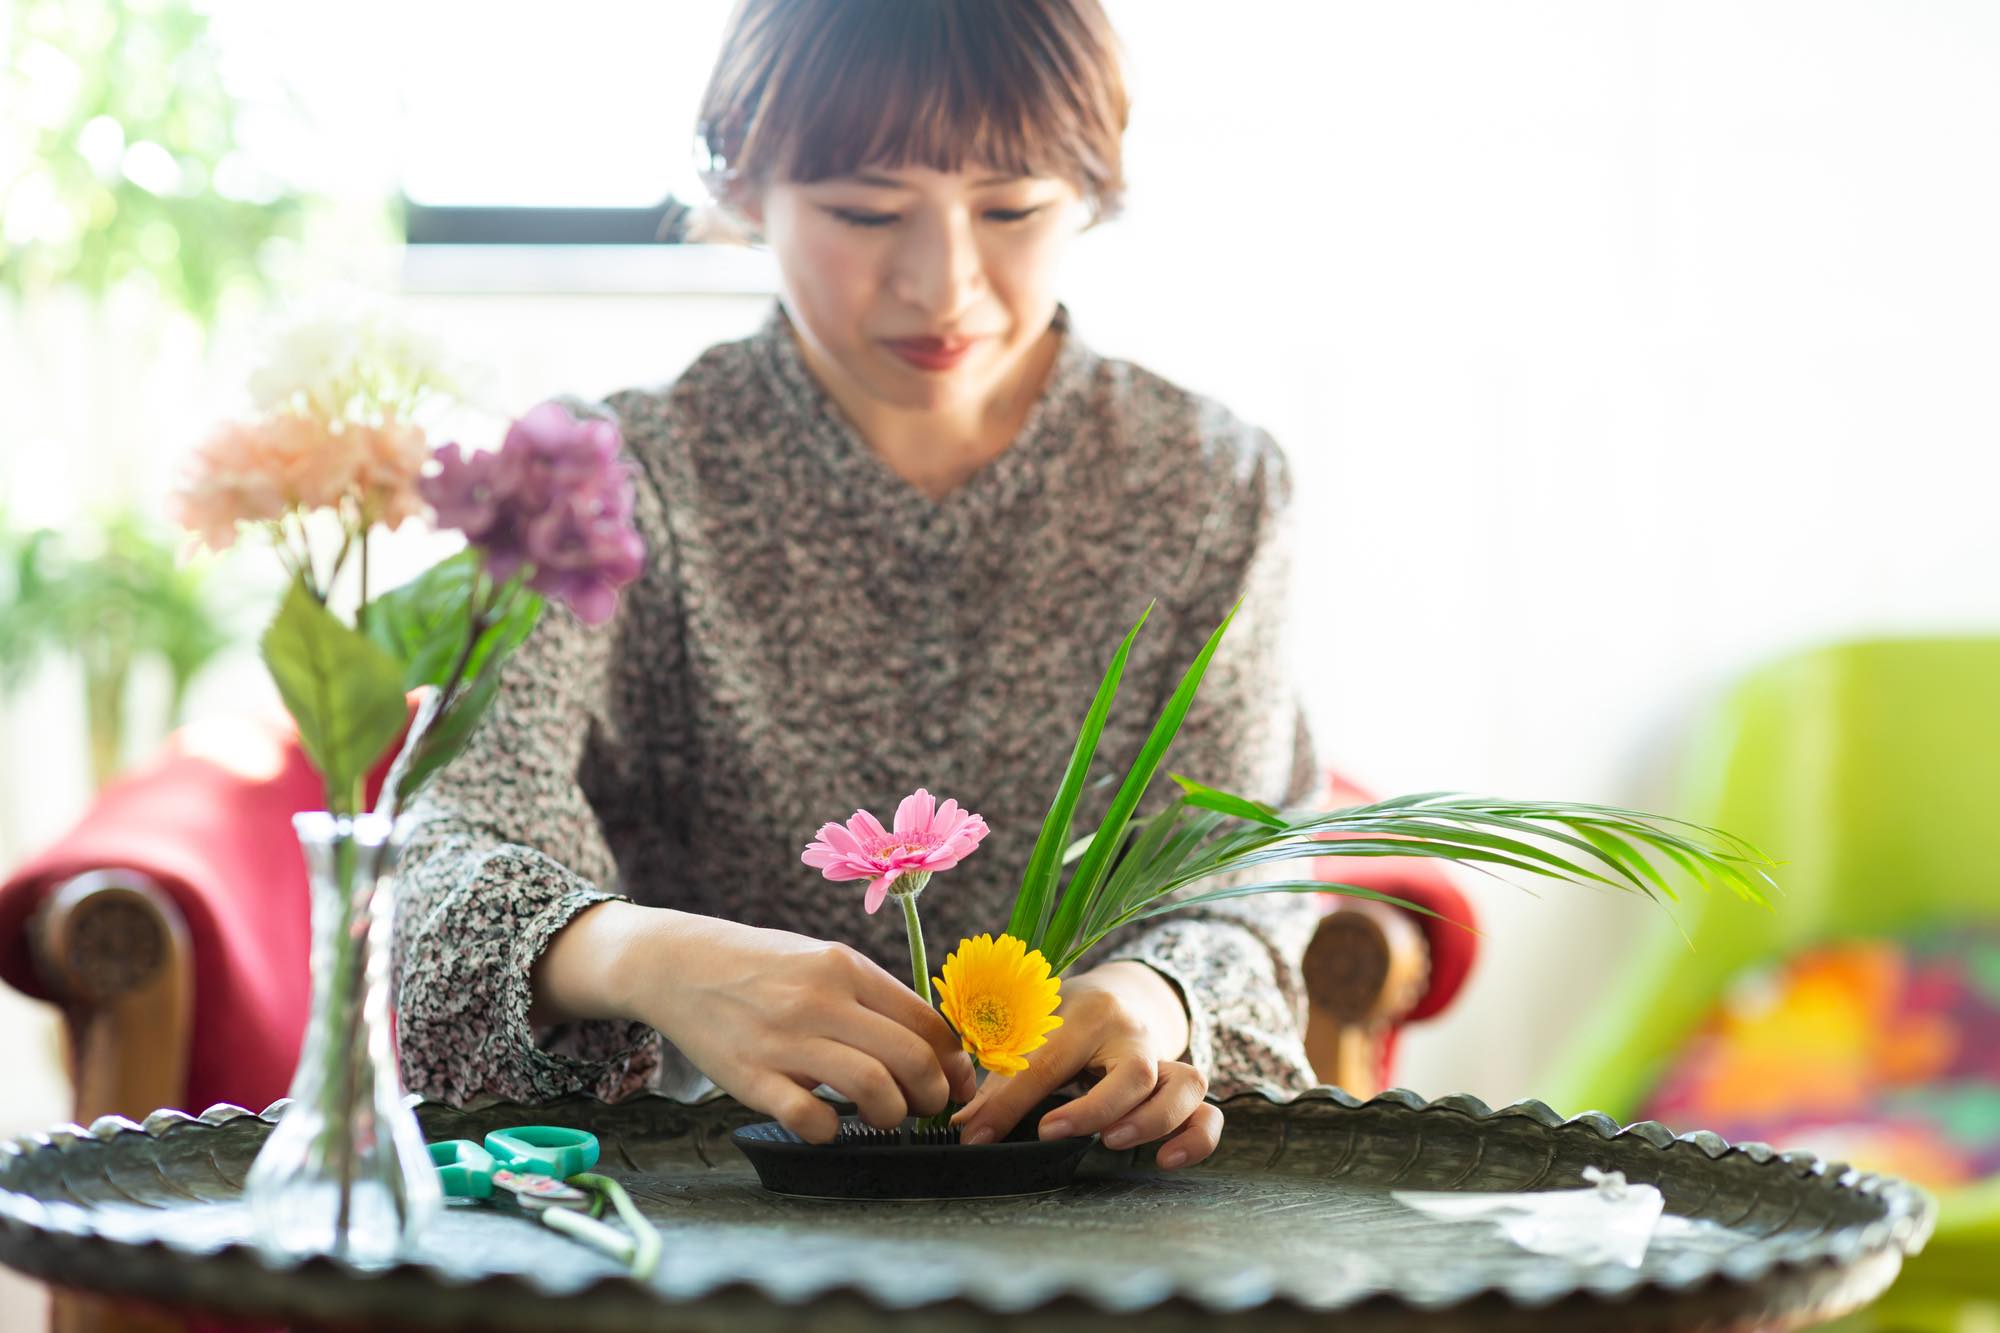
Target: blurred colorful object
column 1882, row 1053
column 1871, row 769
column 121, row 157
column 111, row 594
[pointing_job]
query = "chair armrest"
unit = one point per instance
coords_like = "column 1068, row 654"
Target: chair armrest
column 1365, row 970
column 113, row 949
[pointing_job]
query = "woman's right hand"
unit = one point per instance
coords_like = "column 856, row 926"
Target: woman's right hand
column 770, row 1015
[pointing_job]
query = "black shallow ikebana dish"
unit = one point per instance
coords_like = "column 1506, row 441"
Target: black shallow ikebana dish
column 868, row 1163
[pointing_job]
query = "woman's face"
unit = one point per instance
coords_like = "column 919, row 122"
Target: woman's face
column 922, row 289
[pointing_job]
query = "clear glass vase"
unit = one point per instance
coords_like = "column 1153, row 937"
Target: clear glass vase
column 346, row 1172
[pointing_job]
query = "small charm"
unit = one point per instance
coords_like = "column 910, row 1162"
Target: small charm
column 537, row 1191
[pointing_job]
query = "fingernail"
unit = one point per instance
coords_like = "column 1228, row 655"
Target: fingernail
column 984, row 1134
column 1057, row 1129
column 1172, row 1158
column 1122, row 1137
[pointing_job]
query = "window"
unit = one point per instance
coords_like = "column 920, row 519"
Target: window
column 526, row 127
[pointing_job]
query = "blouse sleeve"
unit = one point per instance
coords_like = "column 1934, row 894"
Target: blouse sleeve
column 1236, row 963
column 506, row 848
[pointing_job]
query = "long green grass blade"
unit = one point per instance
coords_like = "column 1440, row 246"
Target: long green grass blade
column 1452, row 833
column 1093, row 938
column 1082, row 845
column 1360, row 821
column 1033, row 905
column 1208, row 798
column 1089, row 874
column 1285, row 886
column 1144, row 851
column 1618, row 849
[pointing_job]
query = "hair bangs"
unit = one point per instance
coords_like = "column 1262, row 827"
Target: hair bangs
column 1024, row 88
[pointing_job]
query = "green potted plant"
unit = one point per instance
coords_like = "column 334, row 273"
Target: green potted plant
column 112, row 594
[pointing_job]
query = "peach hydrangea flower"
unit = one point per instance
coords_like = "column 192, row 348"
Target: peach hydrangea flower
column 388, row 462
column 927, row 838
column 259, row 471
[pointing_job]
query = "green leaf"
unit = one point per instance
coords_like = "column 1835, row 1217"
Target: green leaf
column 423, row 623
column 1456, row 833
column 1082, row 845
column 1231, row 835
column 1208, row 798
column 1033, row 904
column 343, row 690
column 1092, row 940
column 1089, row 874
column 1143, row 858
column 1471, row 856
column 1630, row 859
column 1287, row 886
column 446, row 737
column 447, row 734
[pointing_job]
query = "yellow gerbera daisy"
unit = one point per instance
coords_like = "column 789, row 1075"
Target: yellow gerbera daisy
column 1001, row 1000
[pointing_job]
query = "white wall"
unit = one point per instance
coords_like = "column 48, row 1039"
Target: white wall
column 1617, row 347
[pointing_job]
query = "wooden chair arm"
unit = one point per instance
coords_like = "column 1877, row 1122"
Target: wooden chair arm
column 113, row 949
column 1365, row 969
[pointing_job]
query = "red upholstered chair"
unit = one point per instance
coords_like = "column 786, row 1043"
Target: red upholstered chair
column 171, row 926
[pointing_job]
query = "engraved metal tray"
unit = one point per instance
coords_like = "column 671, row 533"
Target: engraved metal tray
column 1289, row 1226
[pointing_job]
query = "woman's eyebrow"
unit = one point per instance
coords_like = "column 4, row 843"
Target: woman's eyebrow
column 871, row 178
column 892, row 183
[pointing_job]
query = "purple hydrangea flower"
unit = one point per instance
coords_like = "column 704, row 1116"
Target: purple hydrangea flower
column 556, row 498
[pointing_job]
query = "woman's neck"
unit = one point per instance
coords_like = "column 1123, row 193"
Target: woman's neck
column 938, row 450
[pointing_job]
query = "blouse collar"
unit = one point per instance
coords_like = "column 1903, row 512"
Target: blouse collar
column 892, row 503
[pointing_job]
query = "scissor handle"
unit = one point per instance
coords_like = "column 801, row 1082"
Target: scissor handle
column 550, row 1150
column 465, row 1169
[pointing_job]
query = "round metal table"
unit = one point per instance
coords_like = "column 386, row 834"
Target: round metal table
column 1291, row 1225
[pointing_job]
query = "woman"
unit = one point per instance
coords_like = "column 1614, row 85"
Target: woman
column 893, row 540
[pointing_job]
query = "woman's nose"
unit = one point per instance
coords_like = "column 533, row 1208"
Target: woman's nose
column 938, row 268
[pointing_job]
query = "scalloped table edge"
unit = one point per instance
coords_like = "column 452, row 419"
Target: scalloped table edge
column 1909, row 1213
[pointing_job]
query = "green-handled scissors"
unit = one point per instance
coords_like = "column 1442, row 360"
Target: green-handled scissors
column 543, row 1171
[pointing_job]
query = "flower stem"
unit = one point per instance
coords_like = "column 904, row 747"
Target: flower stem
column 481, row 616
column 920, row 970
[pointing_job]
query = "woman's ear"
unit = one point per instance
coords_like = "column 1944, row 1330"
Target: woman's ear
column 735, row 219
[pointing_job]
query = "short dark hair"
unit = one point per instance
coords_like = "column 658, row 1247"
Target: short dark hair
column 810, row 89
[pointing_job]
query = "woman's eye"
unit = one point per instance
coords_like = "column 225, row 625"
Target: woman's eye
column 1012, row 214
column 862, row 218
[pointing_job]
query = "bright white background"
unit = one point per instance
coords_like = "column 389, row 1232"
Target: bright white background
column 1617, row 347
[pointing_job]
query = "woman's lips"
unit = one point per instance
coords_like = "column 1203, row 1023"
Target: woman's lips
column 933, row 353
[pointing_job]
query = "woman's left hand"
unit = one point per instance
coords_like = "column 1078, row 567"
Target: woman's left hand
column 1123, row 1021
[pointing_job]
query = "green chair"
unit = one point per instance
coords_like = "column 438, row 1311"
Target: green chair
column 1871, row 770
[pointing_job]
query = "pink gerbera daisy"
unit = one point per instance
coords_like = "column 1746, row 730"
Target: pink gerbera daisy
column 928, row 837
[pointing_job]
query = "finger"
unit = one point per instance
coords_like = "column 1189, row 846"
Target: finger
column 1173, row 1101
column 794, row 1107
column 889, row 997
column 926, row 1085
column 1129, row 1079
column 1004, row 1099
column 857, row 1076
column 964, row 1076
column 1195, row 1141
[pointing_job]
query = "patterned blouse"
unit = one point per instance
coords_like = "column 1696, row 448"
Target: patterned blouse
column 812, row 634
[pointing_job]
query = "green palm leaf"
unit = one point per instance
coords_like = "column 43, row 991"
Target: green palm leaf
column 1150, row 880
column 1137, row 867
